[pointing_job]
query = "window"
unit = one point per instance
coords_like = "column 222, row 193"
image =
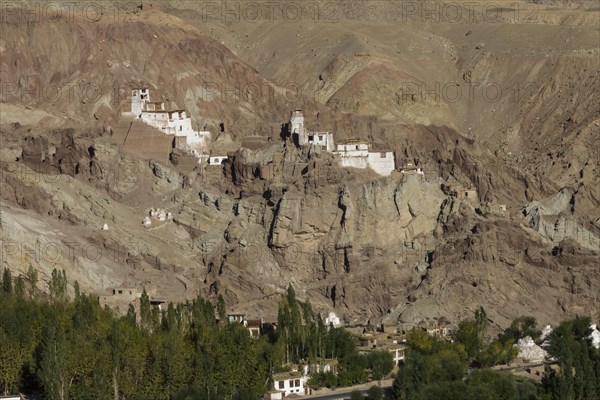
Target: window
column 180, row 127
column 320, row 137
column 382, row 155
column 356, row 147
column 297, row 383
column 311, row 138
column 281, row 385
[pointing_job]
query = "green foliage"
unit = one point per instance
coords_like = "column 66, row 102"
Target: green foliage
column 498, row 352
column 375, row 393
column 520, row 328
column 356, row 395
column 380, row 363
column 437, row 370
column 420, row 340
column 20, row 287
column 579, row 363
column 323, row 379
column 221, row 309
column 78, row 350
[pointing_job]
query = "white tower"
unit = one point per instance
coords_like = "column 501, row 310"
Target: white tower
column 297, row 126
column 139, row 97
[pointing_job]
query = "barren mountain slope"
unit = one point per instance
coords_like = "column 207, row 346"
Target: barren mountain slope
column 405, row 247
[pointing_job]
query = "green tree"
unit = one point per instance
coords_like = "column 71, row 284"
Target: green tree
column 145, row 309
column 52, row 370
column 221, row 308
column 420, row 340
column 7, row 282
column 20, row 287
column 58, row 285
column 356, row 395
column 380, row 363
column 32, row 277
column 12, row 357
column 520, row 328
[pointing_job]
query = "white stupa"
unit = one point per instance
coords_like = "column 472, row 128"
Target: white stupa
column 530, row 351
column 105, row 227
column 332, row 319
column 595, row 336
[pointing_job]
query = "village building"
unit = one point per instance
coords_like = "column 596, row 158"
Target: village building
column 454, row 188
column 13, row 397
column 397, row 350
column 410, row 168
column 389, row 327
column 119, row 298
column 217, row 160
column 254, row 327
column 438, row 327
column 470, row 195
column 290, row 383
column 321, row 366
column 161, row 304
column 237, row 317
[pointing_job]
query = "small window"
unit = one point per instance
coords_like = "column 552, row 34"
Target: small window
column 180, row 127
column 311, row 138
column 320, row 137
column 281, row 385
column 356, row 147
column 120, row 292
column 382, row 155
column 297, row 383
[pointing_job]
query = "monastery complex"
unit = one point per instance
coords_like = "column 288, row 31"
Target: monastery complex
column 351, row 154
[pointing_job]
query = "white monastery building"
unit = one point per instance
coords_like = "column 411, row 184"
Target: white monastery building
column 322, row 139
column 354, row 154
column 170, row 122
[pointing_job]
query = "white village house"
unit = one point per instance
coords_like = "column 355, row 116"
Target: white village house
column 288, row 383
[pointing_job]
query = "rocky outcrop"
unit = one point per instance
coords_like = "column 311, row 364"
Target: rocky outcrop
column 552, row 219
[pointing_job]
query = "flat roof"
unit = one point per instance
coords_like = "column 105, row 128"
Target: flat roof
column 287, row 375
